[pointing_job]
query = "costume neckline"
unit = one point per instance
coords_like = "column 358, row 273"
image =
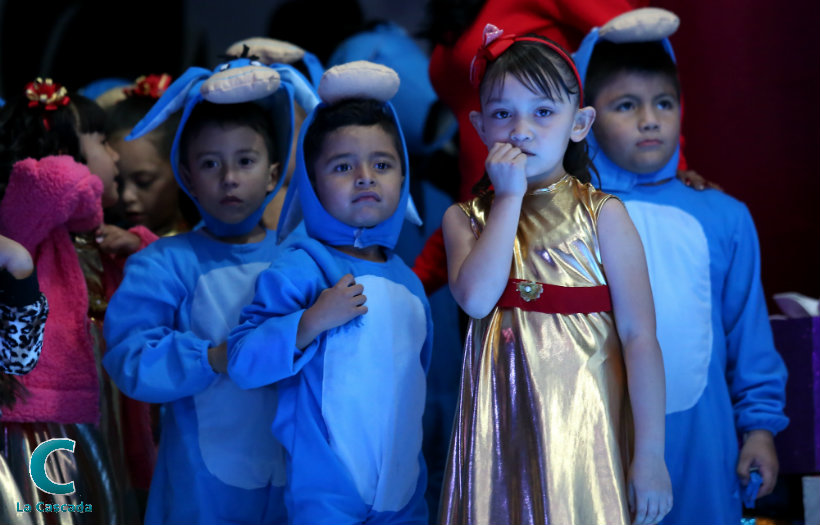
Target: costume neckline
column 552, row 187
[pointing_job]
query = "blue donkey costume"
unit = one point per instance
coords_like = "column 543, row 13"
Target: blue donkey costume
column 351, row 402
column 723, row 375
column 218, row 462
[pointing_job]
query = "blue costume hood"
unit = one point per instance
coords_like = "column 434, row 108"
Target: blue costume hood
column 301, row 203
column 613, row 177
column 274, row 86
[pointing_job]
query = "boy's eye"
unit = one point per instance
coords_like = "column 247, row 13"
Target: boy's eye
column 666, row 104
column 246, row 161
column 209, row 164
column 543, row 112
column 625, row 106
column 344, row 166
column 382, row 166
column 501, row 114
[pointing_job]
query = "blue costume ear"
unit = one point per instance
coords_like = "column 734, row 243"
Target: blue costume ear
column 314, row 67
column 303, row 92
column 170, row 102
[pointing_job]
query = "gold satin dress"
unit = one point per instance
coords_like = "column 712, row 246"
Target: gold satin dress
column 543, row 428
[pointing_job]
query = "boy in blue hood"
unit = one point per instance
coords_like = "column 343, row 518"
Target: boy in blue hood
column 351, row 376
column 725, row 380
column 168, row 322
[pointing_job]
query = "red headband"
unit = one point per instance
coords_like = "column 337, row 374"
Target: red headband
column 494, row 45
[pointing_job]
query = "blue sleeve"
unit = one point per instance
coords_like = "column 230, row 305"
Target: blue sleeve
column 262, row 348
column 147, row 356
column 755, row 371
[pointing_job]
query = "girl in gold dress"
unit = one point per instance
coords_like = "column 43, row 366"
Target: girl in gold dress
column 561, row 355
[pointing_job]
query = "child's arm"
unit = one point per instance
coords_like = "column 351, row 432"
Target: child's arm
column 277, row 333
column 147, row 356
column 117, row 241
column 480, row 268
column 755, row 371
column 650, row 489
column 334, row 307
column 23, row 309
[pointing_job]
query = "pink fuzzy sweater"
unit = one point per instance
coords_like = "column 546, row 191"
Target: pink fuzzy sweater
column 45, row 200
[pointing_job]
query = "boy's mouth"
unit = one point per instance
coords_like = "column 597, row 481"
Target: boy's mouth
column 367, row 196
column 649, row 143
column 230, row 199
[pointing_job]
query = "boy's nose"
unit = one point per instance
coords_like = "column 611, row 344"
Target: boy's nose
column 365, row 178
column 648, row 121
column 230, row 178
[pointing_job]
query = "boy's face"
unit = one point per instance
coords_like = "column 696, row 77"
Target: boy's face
column 358, row 175
column 229, row 171
column 102, row 162
column 638, row 124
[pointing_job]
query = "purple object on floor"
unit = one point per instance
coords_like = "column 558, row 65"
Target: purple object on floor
column 798, row 446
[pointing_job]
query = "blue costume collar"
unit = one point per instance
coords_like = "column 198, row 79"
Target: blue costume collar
column 613, row 177
column 191, row 88
column 301, row 203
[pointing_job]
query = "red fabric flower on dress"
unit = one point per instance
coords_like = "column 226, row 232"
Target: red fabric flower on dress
column 150, row 86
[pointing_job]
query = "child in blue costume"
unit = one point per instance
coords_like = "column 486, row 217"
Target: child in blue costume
column 351, row 377
column 168, row 322
column 725, row 380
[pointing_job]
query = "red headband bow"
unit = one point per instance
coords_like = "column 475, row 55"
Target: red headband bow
column 495, row 44
column 48, row 94
column 150, row 86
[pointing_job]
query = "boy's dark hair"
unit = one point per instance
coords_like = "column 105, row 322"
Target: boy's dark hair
column 542, row 70
column 609, row 59
column 23, row 131
column 349, row 112
column 125, row 114
column 246, row 114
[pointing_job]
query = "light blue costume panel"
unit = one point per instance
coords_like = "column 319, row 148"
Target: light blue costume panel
column 181, row 296
column 351, row 418
column 723, row 375
column 351, row 402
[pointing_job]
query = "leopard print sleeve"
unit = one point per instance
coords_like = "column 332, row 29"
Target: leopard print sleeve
column 22, row 335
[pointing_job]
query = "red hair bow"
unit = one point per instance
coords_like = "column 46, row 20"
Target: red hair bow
column 495, row 43
column 46, row 93
column 150, row 86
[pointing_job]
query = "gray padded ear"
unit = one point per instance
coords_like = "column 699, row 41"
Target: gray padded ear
column 647, row 24
column 171, row 101
column 359, row 79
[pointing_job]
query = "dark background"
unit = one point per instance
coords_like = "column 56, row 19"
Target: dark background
column 749, row 71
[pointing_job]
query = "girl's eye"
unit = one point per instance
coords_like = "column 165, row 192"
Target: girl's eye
column 209, row 164
column 246, row 161
column 382, row 166
column 344, row 166
column 543, row 112
column 143, row 183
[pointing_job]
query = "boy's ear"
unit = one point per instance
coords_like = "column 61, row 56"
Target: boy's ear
column 274, row 176
column 478, row 123
column 582, row 123
column 185, row 175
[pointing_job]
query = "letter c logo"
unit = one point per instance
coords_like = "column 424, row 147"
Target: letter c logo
column 37, row 466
